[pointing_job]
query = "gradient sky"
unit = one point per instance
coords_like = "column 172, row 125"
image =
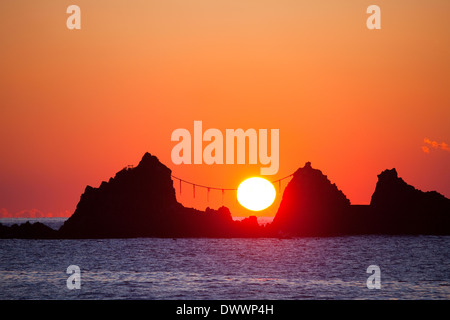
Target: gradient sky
column 76, row 106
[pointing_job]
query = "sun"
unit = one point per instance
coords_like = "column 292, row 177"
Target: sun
column 256, row 194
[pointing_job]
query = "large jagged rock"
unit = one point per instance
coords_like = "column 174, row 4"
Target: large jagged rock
column 141, row 202
column 311, row 205
column 399, row 208
column 136, row 202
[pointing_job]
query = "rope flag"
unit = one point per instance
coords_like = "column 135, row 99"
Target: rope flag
column 209, row 188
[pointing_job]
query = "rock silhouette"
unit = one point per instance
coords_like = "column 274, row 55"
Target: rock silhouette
column 398, row 207
column 311, row 205
column 141, row 202
column 28, row 230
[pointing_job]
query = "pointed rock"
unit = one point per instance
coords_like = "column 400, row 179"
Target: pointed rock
column 311, row 205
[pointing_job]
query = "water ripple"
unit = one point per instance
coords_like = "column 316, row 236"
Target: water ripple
column 303, row 268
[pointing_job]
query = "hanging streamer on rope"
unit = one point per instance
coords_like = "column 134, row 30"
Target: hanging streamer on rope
column 209, row 188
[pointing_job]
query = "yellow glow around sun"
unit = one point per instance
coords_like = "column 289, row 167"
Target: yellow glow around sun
column 256, row 194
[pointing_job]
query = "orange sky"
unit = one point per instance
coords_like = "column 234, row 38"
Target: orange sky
column 76, row 106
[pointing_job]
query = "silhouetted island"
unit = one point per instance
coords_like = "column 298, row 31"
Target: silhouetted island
column 141, row 202
column 313, row 206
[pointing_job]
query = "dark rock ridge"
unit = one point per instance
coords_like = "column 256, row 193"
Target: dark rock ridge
column 141, row 202
column 398, row 207
column 28, row 230
column 138, row 202
column 312, row 206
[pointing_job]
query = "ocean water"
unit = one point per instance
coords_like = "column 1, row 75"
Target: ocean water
column 411, row 267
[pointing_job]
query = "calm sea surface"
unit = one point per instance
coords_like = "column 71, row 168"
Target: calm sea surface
column 287, row 269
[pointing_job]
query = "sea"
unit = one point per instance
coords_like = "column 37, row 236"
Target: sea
column 336, row 268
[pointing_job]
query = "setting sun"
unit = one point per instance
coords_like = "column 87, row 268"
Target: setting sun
column 256, row 194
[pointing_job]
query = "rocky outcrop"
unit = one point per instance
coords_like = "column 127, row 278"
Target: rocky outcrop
column 399, row 208
column 138, row 202
column 28, row 230
column 311, row 205
column 141, row 202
